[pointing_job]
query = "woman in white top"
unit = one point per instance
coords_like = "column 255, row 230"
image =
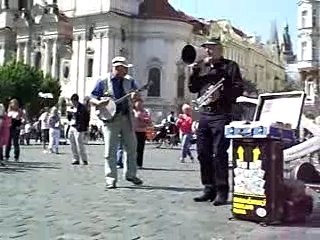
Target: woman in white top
column 17, row 118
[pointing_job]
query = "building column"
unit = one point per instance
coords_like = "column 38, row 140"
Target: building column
column 54, row 66
column 27, row 52
column 47, row 57
column 19, row 51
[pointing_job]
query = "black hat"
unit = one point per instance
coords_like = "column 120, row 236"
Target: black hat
column 212, row 41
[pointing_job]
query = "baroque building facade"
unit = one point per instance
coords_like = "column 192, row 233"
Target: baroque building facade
column 74, row 42
column 259, row 63
column 308, row 49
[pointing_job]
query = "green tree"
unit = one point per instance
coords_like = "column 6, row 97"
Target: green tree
column 21, row 81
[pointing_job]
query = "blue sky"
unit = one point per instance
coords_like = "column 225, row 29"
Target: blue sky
column 251, row 16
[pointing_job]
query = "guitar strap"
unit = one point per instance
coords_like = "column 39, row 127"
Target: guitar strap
column 108, row 85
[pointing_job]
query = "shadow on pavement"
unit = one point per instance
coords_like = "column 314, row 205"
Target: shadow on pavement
column 169, row 169
column 312, row 221
column 175, row 189
column 16, row 167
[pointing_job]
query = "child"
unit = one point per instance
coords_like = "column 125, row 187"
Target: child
column 184, row 124
column 54, row 131
column 5, row 123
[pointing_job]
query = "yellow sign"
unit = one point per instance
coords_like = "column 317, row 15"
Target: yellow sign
column 239, row 211
column 250, row 201
column 240, row 152
column 256, row 154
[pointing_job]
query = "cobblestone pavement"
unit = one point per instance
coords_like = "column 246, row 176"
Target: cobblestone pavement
column 45, row 197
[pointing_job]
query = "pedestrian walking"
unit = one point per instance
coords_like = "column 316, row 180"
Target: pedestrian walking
column 184, row 123
column 54, row 131
column 79, row 118
column 142, row 120
column 5, row 123
column 44, row 125
column 16, row 115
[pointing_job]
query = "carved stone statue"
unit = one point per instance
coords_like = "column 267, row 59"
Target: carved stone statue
column 287, row 45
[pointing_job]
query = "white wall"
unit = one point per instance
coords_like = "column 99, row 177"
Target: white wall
column 305, row 55
column 88, row 7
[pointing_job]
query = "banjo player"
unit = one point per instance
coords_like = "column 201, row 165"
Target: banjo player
column 116, row 85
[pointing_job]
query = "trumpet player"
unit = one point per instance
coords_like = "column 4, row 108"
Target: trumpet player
column 212, row 146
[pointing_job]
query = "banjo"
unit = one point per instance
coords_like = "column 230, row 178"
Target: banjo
column 108, row 111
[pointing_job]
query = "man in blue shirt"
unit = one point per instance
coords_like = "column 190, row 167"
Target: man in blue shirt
column 115, row 86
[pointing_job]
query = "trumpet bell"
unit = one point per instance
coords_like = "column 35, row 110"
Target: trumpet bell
column 191, row 54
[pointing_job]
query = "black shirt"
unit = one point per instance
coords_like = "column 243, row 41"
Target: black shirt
column 232, row 86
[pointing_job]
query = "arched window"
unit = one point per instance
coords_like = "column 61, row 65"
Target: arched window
column 154, row 77
column 38, row 57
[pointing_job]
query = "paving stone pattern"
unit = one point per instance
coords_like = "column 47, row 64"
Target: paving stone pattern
column 45, row 197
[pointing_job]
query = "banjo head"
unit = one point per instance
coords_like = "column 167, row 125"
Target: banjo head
column 107, row 112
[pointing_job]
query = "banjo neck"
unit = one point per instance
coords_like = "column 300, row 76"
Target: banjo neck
column 144, row 87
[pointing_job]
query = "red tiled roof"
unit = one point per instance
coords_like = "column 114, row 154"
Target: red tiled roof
column 161, row 9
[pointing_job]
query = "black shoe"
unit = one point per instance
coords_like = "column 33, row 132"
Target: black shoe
column 2, row 164
column 205, row 197
column 85, row 162
column 135, row 180
column 75, row 163
column 221, row 199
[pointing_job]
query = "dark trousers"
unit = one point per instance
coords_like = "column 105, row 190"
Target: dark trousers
column 120, row 155
column 212, row 149
column 141, row 140
column 14, row 138
column 44, row 137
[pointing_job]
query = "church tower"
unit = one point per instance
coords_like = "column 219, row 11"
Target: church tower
column 274, row 39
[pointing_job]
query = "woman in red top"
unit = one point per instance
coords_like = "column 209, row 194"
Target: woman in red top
column 184, row 124
column 141, row 121
column 5, row 123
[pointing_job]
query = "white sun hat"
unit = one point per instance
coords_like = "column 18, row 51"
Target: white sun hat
column 121, row 61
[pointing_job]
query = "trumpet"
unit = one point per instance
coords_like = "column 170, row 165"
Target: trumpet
column 206, row 98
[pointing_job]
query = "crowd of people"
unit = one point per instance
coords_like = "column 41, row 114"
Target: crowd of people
column 128, row 126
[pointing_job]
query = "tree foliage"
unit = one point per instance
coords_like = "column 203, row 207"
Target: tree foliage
column 21, row 81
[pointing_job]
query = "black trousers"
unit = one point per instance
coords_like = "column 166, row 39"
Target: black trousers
column 14, row 138
column 212, row 149
column 44, row 137
column 141, row 140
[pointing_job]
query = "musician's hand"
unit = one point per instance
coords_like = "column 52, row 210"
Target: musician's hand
column 104, row 102
column 134, row 95
column 215, row 96
column 207, row 60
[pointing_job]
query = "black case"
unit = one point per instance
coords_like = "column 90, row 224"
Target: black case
column 257, row 185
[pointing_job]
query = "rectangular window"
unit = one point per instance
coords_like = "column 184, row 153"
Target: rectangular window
column 22, row 4
column 314, row 18
column 304, row 51
column 90, row 67
column 304, row 18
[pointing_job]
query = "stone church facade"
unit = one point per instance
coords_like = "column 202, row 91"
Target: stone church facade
column 74, row 41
